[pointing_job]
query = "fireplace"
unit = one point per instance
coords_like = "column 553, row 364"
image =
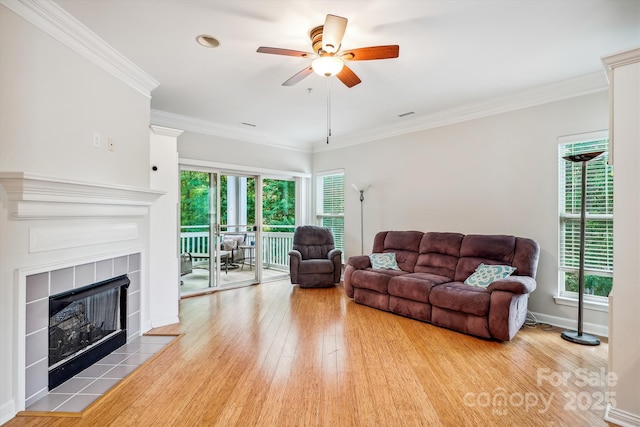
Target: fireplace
column 86, row 324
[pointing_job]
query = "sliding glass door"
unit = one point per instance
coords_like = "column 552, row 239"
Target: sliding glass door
column 218, row 232
column 278, row 225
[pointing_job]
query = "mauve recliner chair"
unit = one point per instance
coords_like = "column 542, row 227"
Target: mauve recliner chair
column 314, row 261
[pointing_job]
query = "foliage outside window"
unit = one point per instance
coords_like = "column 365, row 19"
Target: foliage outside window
column 330, row 205
column 278, row 209
column 598, row 260
column 278, row 205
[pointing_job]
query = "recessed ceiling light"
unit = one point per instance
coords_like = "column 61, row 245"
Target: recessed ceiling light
column 207, row 41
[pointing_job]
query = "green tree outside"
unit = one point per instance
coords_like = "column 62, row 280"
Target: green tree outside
column 278, row 201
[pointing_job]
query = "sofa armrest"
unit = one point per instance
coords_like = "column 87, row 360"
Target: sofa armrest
column 359, row 262
column 295, row 257
column 514, row 284
column 334, row 253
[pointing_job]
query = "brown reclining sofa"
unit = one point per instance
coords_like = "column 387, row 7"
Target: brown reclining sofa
column 429, row 284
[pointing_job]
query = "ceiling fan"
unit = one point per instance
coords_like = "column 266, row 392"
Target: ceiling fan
column 328, row 59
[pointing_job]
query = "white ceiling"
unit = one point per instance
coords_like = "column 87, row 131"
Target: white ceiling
column 452, row 54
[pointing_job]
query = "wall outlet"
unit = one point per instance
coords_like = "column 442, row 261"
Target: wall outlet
column 96, row 139
column 111, row 145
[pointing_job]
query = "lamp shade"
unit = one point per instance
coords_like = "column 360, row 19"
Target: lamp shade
column 327, row 65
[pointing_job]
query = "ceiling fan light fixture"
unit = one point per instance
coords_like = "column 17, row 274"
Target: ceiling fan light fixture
column 327, row 65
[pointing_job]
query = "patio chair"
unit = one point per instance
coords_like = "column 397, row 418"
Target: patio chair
column 231, row 242
column 314, row 261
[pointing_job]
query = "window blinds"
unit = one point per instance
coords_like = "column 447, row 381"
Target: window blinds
column 331, row 206
column 599, row 209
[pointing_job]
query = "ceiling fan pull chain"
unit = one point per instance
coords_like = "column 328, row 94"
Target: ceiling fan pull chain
column 328, row 109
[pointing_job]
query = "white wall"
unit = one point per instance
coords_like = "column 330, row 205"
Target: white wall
column 51, row 101
column 491, row 175
column 199, row 146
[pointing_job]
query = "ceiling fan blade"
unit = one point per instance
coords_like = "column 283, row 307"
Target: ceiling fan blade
column 373, row 52
column 348, row 77
column 334, row 27
column 287, row 52
column 299, row 76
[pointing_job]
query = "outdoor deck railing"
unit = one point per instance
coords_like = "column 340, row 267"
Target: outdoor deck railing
column 275, row 245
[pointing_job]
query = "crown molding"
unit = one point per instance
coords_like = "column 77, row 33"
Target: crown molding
column 164, row 131
column 163, row 118
column 34, row 196
column 620, row 59
column 59, row 24
column 583, row 85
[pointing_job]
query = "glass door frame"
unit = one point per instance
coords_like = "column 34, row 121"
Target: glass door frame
column 303, row 199
column 216, row 230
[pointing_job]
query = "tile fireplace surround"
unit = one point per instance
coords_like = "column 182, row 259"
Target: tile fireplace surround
column 50, row 221
column 39, row 287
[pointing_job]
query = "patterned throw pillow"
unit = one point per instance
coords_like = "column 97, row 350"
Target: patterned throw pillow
column 486, row 274
column 386, row 261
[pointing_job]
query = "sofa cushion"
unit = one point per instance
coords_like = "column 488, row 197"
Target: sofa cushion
column 415, row 286
column 487, row 274
column 488, row 249
column 457, row 296
column 385, row 261
column 315, row 266
column 439, row 253
column 404, row 243
column 376, row 280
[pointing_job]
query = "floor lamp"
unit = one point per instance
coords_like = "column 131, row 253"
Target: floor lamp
column 578, row 336
column 361, row 216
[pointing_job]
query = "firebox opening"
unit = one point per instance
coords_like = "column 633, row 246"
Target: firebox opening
column 86, row 324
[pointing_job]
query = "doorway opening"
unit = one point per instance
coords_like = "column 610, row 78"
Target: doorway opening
column 235, row 229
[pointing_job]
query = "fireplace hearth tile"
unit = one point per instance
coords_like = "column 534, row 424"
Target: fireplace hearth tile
column 77, row 393
column 151, row 348
column 77, row 403
column 112, row 359
column 94, row 371
column 128, row 348
column 50, row 402
column 137, row 358
column 72, row 386
column 121, row 371
column 100, row 386
column 157, row 339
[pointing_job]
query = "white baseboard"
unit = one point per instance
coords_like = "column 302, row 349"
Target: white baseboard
column 621, row 418
column 7, row 411
column 563, row 322
column 165, row 322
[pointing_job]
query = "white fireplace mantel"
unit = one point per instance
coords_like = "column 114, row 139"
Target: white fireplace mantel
column 32, row 196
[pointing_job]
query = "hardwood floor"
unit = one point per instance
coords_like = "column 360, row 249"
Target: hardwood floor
column 278, row 355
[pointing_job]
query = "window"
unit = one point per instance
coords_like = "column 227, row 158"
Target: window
column 598, row 259
column 330, row 205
